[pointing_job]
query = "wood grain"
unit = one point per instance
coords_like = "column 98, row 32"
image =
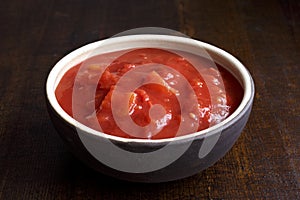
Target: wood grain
column 264, row 35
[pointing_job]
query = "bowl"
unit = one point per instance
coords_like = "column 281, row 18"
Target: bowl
column 144, row 160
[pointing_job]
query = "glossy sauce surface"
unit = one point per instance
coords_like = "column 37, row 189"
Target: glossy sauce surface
column 148, row 93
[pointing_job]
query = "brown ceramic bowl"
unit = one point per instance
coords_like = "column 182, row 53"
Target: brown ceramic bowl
column 143, row 160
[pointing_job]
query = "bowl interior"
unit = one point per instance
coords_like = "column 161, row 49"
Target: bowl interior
column 152, row 41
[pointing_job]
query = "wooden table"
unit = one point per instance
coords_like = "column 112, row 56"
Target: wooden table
column 264, row 35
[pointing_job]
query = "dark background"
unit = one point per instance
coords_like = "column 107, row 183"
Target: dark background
column 264, row 35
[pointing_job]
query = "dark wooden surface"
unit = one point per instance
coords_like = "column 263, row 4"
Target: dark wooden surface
column 264, row 35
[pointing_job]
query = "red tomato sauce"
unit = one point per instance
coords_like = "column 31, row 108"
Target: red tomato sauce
column 148, row 93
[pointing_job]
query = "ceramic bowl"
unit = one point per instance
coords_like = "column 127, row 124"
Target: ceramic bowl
column 143, row 160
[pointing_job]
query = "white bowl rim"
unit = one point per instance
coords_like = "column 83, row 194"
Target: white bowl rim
column 244, row 106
